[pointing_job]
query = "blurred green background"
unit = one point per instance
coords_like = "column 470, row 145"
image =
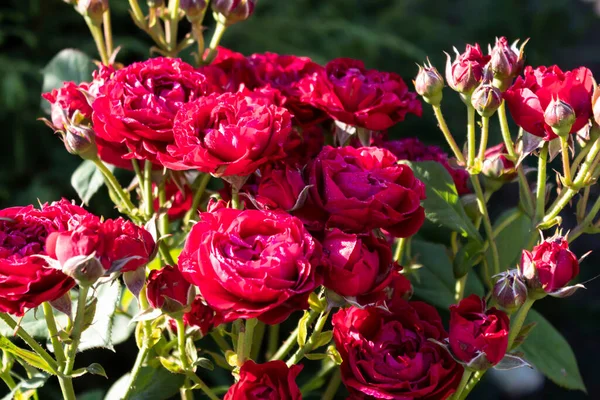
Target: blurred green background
column 389, row 35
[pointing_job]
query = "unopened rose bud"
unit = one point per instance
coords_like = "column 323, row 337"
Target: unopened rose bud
column 168, row 290
column 506, row 62
column 80, row 141
column 232, row 11
column 466, row 72
column 596, row 105
column 510, row 292
column 560, row 116
column 93, row 9
column 194, row 9
column 497, row 168
column 84, row 270
column 429, row 84
column 486, row 99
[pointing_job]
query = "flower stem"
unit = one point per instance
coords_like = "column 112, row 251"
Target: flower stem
column 487, row 224
column 98, row 39
column 584, row 224
column 485, row 130
column 401, row 244
column 137, row 11
column 214, row 43
column 235, row 197
column 115, row 186
column 259, row 334
column 475, row 378
column 308, row 346
column 191, row 214
column 244, row 340
column 463, row 383
column 108, row 37
column 220, row 341
column 518, row 321
column 291, row 340
column 470, row 135
column 66, row 382
column 5, row 375
column 459, row 289
column 540, row 197
column 77, row 330
column 149, row 206
column 172, row 24
column 273, row 340
column 437, row 110
column 333, row 386
column 197, row 32
column 135, row 371
column 564, row 149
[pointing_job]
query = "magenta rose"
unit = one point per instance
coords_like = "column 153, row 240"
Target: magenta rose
column 26, row 280
column 357, row 190
column 303, row 144
column 167, row 289
column 230, row 71
column 356, row 96
column 251, row 264
column 529, row 97
column 229, row 134
column 273, row 380
column 137, row 106
column 387, row 354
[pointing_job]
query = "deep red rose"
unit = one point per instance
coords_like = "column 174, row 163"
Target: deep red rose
column 356, row 265
column 365, row 188
column 230, row 71
column 26, row 281
column 167, row 289
column 99, row 77
column 475, row 330
column 251, row 264
column 65, row 101
column 180, row 199
column 273, row 380
column 388, row 354
column 550, row 265
column 229, row 134
column 303, row 144
column 201, row 316
column 279, row 187
column 466, row 72
column 354, row 95
column 530, row 95
column 137, row 106
column 412, row 149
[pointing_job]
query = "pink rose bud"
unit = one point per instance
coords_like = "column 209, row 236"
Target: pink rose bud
column 496, row 166
column 466, row 72
column 80, row 140
column 510, row 292
column 168, row 290
column 93, row 9
column 486, row 99
column 232, row 11
column 506, row 62
column 596, row 105
column 194, row 9
column 429, row 84
column 560, row 116
column 550, row 266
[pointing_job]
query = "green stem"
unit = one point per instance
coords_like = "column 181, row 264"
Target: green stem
column 214, row 43
column 66, row 382
column 310, row 343
column 220, row 341
column 135, row 371
column 197, row 32
column 540, row 197
column 114, row 184
column 163, row 222
column 31, row 343
column 474, row 381
column 148, row 198
column 5, row 375
column 401, row 243
column 487, row 224
column 137, row 11
column 586, row 222
column 108, row 37
column 437, row 110
column 146, row 325
column 459, row 289
column 485, row 129
column 518, row 321
column 333, row 386
column 77, row 330
column 292, row 339
column 138, row 174
column 463, row 383
column 564, row 150
column 470, row 135
column 259, row 334
column 244, row 340
column 173, row 23
column 273, row 340
column 235, row 198
column 97, row 34
column 191, row 214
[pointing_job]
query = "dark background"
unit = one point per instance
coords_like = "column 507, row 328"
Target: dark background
column 389, row 35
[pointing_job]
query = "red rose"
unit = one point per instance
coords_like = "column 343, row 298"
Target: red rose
column 530, row 95
column 251, row 264
column 550, row 265
column 466, row 72
column 229, row 134
column 273, row 380
column 475, row 331
column 303, row 144
column 201, row 316
column 230, row 71
column 26, row 281
column 356, row 265
column 359, row 97
column 388, row 354
column 167, row 289
column 412, row 149
column 365, row 188
column 65, row 101
column 284, row 72
column 180, row 199
column 136, row 108
column 280, row 187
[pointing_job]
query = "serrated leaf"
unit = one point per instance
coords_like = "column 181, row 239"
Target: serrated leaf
column 34, row 325
column 510, row 361
column 99, row 333
column 549, row 352
column 87, row 180
column 442, row 206
column 303, row 329
column 314, row 302
column 29, row 357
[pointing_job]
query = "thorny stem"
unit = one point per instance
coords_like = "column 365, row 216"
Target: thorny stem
column 485, row 129
column 487, row 224
column 470, row 135
column 437, row 110
column 214, row 43
column 98, row 39
column 108, row 37
column 541, row 183
column 564, row 149
column 309, row 345
column 291, row 340
column 463, row 383
column 149, row 206
column 77, row 329
column 135, row 371
column 333, row 386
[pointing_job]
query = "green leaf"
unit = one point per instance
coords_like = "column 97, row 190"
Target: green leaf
column 549, row 352
column 36, row 381
column 442, row 206
column 205, row 363
column 435, row 282
column 152, row 384
column 303, row 329
column 67, row 65
column 316, row 356
column 99, row 333
column 96, row 369
column 29, row 357
column 512, row 227
column 323, row 339
column 87, row 180
column 34, row 324
column 466, row 258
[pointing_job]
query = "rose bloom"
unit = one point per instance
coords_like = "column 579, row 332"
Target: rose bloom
column 356, row 265
column 467, row 70
column 137, row 106
column 25, row 280
column 530, row 95
column 65, row 101
column 550, row 265
column 231, row 71
column 229, row 134
column 387, row 354
column 201, row 316
column 180, row 199
column 362, row 189
column 273, row 380
column 475, row 330
column 279, row 187
column 303, row 144
column 354, row 95
column 251, row 264
column 166, row 288
column 412, row 149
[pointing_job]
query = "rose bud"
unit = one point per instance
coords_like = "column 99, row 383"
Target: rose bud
column 80, row 140
column 466, row 72
column 596, row 105
column 496, row 168
column 273, row 380
column 560, row 116
column 201, row 316
column 66, row 102
column 486, row 99
column 93, row 9
column 478, row 337
column 549, row 267
column 194, row 9
column 510, row 292
column 231, row 11
column 429, row 84
column 506, row 62
column 168, row 290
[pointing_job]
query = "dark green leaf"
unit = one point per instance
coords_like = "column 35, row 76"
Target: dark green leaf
column 549, row 352
column 512, row 231
column 467, row 257
column 87, row 179
column 443, row 206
